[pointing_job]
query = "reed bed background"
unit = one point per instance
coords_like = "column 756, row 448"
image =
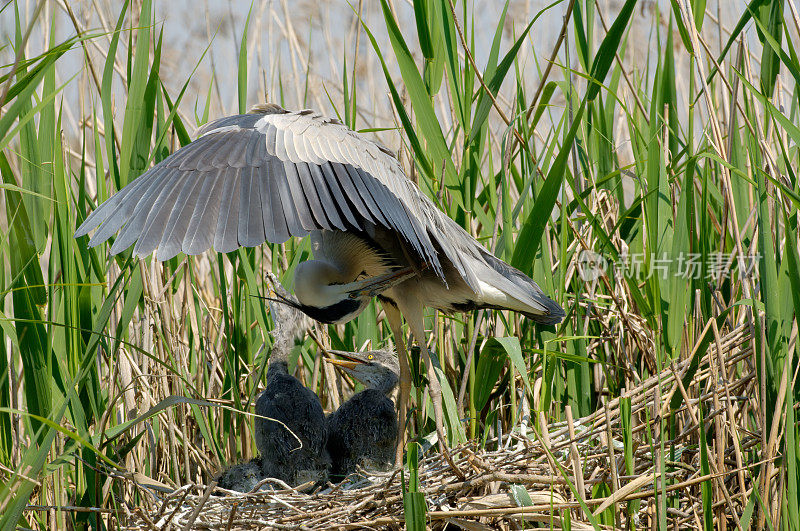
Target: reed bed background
column 640, row 165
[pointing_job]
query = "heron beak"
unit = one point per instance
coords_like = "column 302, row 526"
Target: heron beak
column 342, row 363
column 349, row 362
column 375, row 285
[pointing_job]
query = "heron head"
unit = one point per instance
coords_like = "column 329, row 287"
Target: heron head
column 377, row 369
column 323, row 293
column 328, row 295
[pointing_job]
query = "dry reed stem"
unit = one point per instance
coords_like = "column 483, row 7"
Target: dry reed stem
column 377, row 501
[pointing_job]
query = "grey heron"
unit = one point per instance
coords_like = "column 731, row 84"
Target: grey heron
column 272, row 174
column 363, row 431
column 290, row 428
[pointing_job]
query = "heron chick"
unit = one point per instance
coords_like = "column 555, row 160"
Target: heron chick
column 242, row 477
column 363, row 431
column 290, row 427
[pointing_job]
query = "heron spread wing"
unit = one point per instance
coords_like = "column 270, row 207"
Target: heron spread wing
column 270, row 175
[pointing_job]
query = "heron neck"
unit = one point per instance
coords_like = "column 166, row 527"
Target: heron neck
column 316, row 283
column 386, row 385
column 277, row 370
column 280, row 351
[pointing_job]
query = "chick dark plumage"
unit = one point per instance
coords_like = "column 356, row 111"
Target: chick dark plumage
column 290, row 429
column 300, row 414
column 242, row 477
column 363, row 431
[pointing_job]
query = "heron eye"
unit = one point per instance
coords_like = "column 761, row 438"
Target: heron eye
column 369, row 357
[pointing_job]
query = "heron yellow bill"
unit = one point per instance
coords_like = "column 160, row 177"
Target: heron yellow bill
column 350, row 361
column 342, row 363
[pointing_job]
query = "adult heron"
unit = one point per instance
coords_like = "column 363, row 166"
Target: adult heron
column 363, row 431
column 272, row 174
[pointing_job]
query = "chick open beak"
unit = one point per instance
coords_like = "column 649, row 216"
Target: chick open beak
column 348, row 363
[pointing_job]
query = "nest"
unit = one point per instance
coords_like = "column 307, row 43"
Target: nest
column 527, row 475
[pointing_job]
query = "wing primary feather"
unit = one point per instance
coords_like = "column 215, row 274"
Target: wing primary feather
column 397, row 213
column 326, row 177
column 226, row 237
column 280, row 191
column 203, row 223
column 115, row 211
column 256, row 152
column 244, row 204
column 301, row 203
column 390, row 206
column 156, row 223
column 134, row 222
column 176, row 225
column 350, row 191
column 273, row 216
column 320, row 202
column 251, row 221
column 270, row 232
column 133, row 227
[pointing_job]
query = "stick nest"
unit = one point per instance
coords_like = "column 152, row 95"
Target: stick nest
column 528, row 475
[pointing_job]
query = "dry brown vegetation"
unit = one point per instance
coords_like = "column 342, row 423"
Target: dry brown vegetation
column 661, row 402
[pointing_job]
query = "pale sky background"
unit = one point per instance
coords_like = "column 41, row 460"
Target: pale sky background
column 292, row 43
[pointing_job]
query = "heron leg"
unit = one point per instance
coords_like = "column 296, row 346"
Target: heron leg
column 396, row 324
column 414, row 318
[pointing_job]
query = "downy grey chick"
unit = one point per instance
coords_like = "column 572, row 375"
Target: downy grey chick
column 363, row 431
column 291, row 440
column 242, row 477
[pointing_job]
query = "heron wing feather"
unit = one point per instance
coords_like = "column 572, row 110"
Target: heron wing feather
column 270, row 177
column 275, row 229
column 326, row 220
column 157, row 216
column 279, row 178
column 170, row 243
column 299, row 199
column 114, row 212
column 204, row 159
column 313, row 173
column 203, row 223
column 339, row 174
column 134, row 226
column 325, row 180
column 366, row 195
column 251, row 223
column 226, row 237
